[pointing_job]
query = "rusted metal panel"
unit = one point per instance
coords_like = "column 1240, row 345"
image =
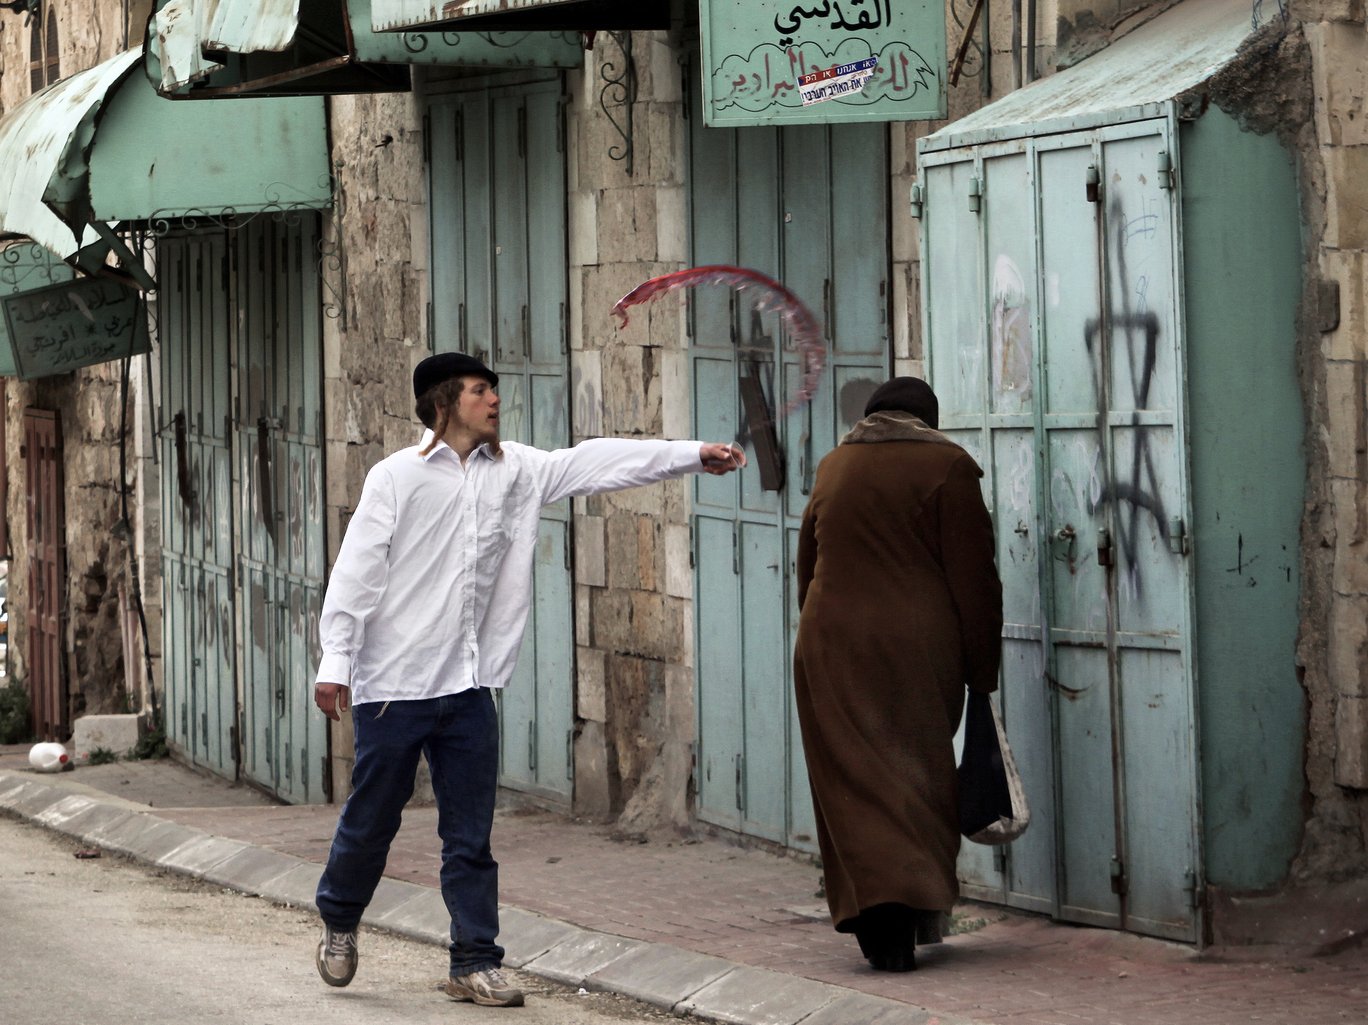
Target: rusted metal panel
column 41, row 158
column 246, row 26
column 47, row 572
column 585, row 15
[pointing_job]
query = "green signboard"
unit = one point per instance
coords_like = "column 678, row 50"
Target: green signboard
column 772, row 62
column 73, row 324
column 25, row 266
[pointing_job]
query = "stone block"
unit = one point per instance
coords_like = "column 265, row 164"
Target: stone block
column 1347, row 643
column 756, row 996
column 1346, row 216
column 587, row 382
column 666, row 144
column 1349, row 341
column 577, row 337
column 679, row 704
column 593, row 789
column 676, row 402
column 659, row 974
column 906, row 289
column 590, row 548
column 679, row 570
column 672, row 224
column 1349, row 509
column 584, row 605
column 117, row 733
column 583, row 213
column 591, row 701
column 627, row 224
column 662, row 66
column 1344, row 414
column 631, row 391
column 623, row 541
column 1351, row 742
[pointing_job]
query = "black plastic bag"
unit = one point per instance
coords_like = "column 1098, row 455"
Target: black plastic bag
column 992, row 801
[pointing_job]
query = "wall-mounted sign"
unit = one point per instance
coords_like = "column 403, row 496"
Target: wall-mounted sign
column 25, row 266
column 74, row 324
column 760, row 56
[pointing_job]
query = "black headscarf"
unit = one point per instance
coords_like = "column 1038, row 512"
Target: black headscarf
column 906, row 395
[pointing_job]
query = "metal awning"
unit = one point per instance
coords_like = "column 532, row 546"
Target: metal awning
column 207, row 48
column 1136, row 77
column 101, row 147
column 578, row 15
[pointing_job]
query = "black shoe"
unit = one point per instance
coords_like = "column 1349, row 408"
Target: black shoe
column 904, row 960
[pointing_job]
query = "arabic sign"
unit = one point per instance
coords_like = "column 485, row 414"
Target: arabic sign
column 25, row 266
column 73, row 324
column 757, row 54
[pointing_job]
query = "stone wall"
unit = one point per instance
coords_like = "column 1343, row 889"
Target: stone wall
column 87, row 401
column 633, row 607
column 375, row 298
column 1332, row 148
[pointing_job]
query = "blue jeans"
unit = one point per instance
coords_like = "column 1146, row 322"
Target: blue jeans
column 459, row 736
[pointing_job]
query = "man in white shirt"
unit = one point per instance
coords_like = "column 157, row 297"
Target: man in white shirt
column 423, row 618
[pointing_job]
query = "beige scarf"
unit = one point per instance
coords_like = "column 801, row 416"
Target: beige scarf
column 893, row 425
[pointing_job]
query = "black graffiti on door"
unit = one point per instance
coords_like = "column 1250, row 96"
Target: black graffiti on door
column 1132, row 491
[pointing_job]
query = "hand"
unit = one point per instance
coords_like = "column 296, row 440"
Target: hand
column 332, row 699
column 718, row 458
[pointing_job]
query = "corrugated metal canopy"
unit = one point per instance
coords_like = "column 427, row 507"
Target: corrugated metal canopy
column 583, row 15
column 102, row 147
column 207, row 48
column 1161, row 60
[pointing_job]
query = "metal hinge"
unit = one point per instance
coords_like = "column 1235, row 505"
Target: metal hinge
column 693, row 562
column 431, row 326
column 1165, row 170
column 736, row 550
column 1094, row 184
column 1177, row 536
column 918, row 201
column 532, row 747
column 1119, row 883
column 1193, row 891
column 460, row 136
column 976, row 194
column 560, row 123
column 740, row 783
column 427, row 138
column 522, row 131
column 570, row 753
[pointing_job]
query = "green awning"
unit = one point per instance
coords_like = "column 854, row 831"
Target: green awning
column 570, row 15
column 207, row 48
column 101, row 147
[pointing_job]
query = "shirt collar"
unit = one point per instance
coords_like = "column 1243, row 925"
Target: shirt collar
column 442, row 446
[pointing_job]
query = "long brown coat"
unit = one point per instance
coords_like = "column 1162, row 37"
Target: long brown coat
column 901, row 608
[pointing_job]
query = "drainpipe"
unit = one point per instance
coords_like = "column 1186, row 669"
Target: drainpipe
column 1016, row 44
column 1030, row 40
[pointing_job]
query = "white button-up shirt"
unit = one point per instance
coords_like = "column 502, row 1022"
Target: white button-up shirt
column 433, row 583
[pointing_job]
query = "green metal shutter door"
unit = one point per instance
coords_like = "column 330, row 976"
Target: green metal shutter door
column 280, row 490
column 1063, row 377
column 197, row 553
column 497, row 185
column 768, row 199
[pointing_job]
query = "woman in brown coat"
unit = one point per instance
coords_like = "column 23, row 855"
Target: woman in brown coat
column 901, row 608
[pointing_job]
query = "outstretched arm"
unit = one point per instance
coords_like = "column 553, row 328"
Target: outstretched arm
column 611, row 464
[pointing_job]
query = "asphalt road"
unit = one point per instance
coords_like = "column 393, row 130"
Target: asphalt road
column 104, row 941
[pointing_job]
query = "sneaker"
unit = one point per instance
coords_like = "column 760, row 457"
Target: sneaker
column 336, row 957
column 488, row 987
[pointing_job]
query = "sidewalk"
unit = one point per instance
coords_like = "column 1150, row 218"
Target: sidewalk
column 702, row 927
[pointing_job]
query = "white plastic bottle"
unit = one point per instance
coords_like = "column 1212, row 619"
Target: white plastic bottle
column 48, row 757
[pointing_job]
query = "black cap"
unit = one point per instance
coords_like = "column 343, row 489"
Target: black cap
column 907, row 395
column 446, row 365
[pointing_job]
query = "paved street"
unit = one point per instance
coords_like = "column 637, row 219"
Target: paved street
column 743, row 927
column 106, row 942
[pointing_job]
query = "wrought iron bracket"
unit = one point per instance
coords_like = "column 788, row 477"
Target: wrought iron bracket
column 620, row 90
